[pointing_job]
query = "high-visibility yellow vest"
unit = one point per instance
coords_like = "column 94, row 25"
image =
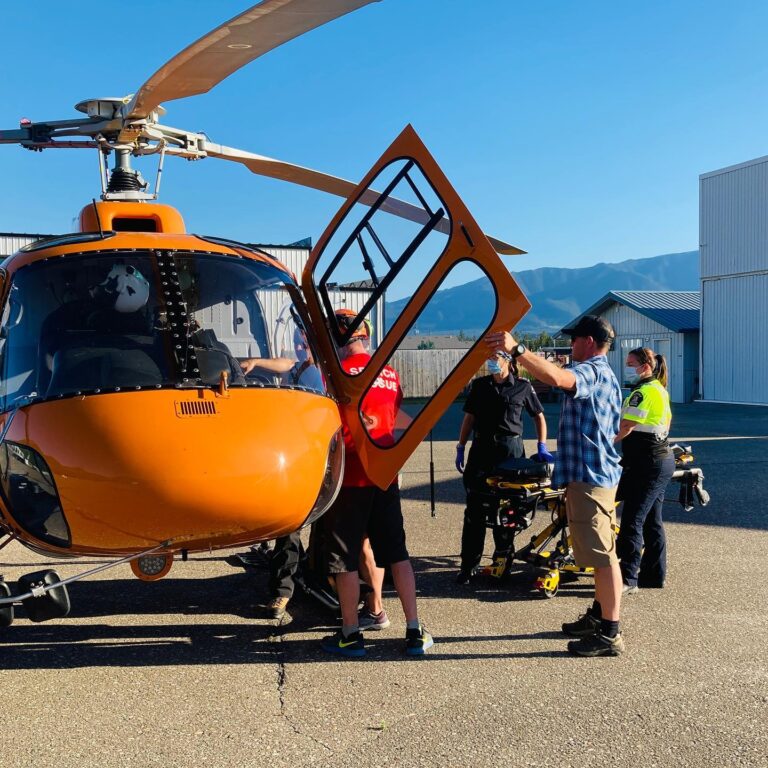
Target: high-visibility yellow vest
column 648, row 405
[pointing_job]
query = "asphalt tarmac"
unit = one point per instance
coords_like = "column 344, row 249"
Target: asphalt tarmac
column 188, row 671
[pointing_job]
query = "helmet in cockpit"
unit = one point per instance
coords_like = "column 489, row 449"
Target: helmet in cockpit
column 125, row 288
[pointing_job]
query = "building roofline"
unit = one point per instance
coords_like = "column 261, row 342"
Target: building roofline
column 731, row 168
column 615, row 297
column 289, row 246
column 37, row 236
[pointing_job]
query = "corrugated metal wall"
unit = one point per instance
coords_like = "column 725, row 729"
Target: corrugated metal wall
column 292, row 256
column 10, row 243
column 633, row 329
column 275, row 304
column 733, row 223
column 733, row 232
column 734, row 351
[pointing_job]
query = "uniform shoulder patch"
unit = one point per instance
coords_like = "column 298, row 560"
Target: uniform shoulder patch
column 635, row 399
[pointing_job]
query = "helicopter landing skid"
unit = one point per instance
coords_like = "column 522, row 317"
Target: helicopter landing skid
column 44, row 594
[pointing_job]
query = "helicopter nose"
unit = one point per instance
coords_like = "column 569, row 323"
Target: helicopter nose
column 136, row 468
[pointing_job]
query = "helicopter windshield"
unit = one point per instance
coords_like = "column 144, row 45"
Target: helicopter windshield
column 126, row 320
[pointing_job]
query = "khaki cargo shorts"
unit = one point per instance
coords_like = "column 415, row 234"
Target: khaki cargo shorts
column 591, row 512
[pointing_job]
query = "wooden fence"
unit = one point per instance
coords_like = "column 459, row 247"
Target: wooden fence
column 422, row 371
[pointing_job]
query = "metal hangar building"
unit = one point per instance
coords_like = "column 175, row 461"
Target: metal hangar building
column 665, row 321
column 733, row 243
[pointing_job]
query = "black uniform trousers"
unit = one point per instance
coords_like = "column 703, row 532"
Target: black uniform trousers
column 642, row 544
column 483, row 457
column 283, row 565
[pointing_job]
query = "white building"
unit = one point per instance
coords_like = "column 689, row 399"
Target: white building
column 733, row 235
column 665, row 321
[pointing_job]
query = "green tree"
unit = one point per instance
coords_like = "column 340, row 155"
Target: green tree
column 426, row 345
column 534, row 341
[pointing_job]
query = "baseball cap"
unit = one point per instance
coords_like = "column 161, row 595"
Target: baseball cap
column 592, row 325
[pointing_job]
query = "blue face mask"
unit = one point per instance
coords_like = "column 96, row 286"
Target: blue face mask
column 631, row 376
column 494, row 366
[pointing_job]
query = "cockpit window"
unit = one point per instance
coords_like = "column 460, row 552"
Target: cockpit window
column 294, row 360
column 121, row 321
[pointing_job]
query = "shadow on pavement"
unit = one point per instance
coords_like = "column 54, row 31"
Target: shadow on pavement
column 734, row 470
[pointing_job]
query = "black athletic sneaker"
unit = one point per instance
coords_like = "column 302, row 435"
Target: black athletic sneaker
column 584, row 626
column 353, row 645
column 418, row 641
column 597, row 645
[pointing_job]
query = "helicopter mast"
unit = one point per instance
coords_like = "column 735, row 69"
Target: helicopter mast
column 125, row 183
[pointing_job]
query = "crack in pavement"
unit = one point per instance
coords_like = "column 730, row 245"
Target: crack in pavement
column 276, row 640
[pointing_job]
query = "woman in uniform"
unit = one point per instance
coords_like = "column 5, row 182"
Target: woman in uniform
column 494, row 411
column 648, row 464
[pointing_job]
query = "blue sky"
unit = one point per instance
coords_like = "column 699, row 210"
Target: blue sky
column 574, row 130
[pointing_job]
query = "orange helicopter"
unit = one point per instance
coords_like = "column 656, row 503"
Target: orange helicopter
column 128, row 428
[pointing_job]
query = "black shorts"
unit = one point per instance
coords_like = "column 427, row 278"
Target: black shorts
column 361, row 512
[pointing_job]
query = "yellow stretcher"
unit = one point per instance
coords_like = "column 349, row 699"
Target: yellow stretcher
column 512, row 504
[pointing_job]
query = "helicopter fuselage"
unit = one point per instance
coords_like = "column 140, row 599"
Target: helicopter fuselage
column 125, row 422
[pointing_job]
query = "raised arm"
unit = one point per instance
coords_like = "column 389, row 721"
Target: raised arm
column 538, row 367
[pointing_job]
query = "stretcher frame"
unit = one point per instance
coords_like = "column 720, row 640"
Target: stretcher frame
column 550, row 551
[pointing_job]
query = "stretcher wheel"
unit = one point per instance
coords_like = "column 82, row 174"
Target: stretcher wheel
column 549, row 583
column 6, row 611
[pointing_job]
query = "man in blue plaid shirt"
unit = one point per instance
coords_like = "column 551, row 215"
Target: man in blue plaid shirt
column 587, row 465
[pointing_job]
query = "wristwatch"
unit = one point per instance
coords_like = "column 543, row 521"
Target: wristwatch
column 519, row 350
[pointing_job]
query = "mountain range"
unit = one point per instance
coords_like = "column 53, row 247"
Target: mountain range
column 557, row 295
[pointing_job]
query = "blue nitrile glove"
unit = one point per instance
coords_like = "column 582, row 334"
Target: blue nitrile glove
column 543, row 454
column 460, row 458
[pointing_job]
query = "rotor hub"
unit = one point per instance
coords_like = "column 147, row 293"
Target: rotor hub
column 107, row 108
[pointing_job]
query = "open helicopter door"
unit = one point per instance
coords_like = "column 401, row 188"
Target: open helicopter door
column 421, row 269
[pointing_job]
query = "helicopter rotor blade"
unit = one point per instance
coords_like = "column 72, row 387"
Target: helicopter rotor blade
column 215, row 56
column 296, row 174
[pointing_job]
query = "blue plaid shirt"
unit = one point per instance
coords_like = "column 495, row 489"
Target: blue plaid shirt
column 589, row 420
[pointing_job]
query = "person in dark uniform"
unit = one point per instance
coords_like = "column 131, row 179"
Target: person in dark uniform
column 282, row 568
column 647, row 467
column 494, row 411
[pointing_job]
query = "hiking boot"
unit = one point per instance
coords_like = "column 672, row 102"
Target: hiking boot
column 597, row 645
column 276, row 608
column 587, row 624
column 368, row 620
column 630, row 589
column 353, row 645
column 418, row 641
